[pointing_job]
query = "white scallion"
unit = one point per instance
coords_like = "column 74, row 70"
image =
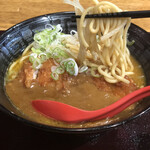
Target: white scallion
column 70, row 65
column 53, row 68
column 83, row 69
column 54, row 75
column 60, row 70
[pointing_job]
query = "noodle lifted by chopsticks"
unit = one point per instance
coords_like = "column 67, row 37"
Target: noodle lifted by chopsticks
column 106, row 39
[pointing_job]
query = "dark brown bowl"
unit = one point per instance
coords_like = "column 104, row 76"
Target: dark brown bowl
column 18, row 37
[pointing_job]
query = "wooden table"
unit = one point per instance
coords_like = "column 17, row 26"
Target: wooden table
column 15, row 11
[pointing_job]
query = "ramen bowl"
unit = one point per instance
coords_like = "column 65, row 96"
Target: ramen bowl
column 18, row 37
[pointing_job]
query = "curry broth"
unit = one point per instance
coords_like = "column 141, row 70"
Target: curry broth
column 82, row 93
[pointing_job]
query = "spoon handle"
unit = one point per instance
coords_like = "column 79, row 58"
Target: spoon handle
column 114, row 110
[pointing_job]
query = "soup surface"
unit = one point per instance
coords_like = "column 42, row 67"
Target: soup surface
column 82, row 91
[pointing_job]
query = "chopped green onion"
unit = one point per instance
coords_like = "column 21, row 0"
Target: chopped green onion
column 36, row 51
column 47, row 36
column 49, row 44
column 56, row 71
column 83, row 69
column 54, row 75
column 63, row 64
column 32, row 58
column 60, row 70
column 53, row 68
column 130, row 43
column 43, row 57
column 70, row 65
column 58, row 54
column 37, row 63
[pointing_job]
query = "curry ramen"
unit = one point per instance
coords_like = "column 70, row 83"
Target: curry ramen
column 90, row 68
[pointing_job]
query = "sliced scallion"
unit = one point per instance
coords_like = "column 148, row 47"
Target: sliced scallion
column 60, row 70
column 36, row 63
column 130, row 43
column 53, row 68
column 54, row 75
column 43, row 57
column 83, row 69
column 70, row 65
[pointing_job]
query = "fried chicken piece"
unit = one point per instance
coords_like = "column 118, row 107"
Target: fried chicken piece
column 102, row 84
column 28, row 74
column 126, row 88
column 119, row 89
column 44, row 76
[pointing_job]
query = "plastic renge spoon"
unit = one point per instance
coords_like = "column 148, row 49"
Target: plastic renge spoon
column 63, row 112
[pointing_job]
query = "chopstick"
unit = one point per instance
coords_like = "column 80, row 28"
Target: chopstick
column 132, row 14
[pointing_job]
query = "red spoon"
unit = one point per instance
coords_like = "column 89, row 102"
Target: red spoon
column 63, row 112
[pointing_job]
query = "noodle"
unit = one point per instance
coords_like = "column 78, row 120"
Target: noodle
column 16, row 65
column 110, row 51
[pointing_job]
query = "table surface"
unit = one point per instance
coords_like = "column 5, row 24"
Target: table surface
column 14, row 135
column 15, row 11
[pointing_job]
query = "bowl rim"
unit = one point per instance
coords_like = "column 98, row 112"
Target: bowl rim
column 61, row 129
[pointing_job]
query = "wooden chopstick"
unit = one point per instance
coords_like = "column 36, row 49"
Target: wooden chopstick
column 132, row 14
